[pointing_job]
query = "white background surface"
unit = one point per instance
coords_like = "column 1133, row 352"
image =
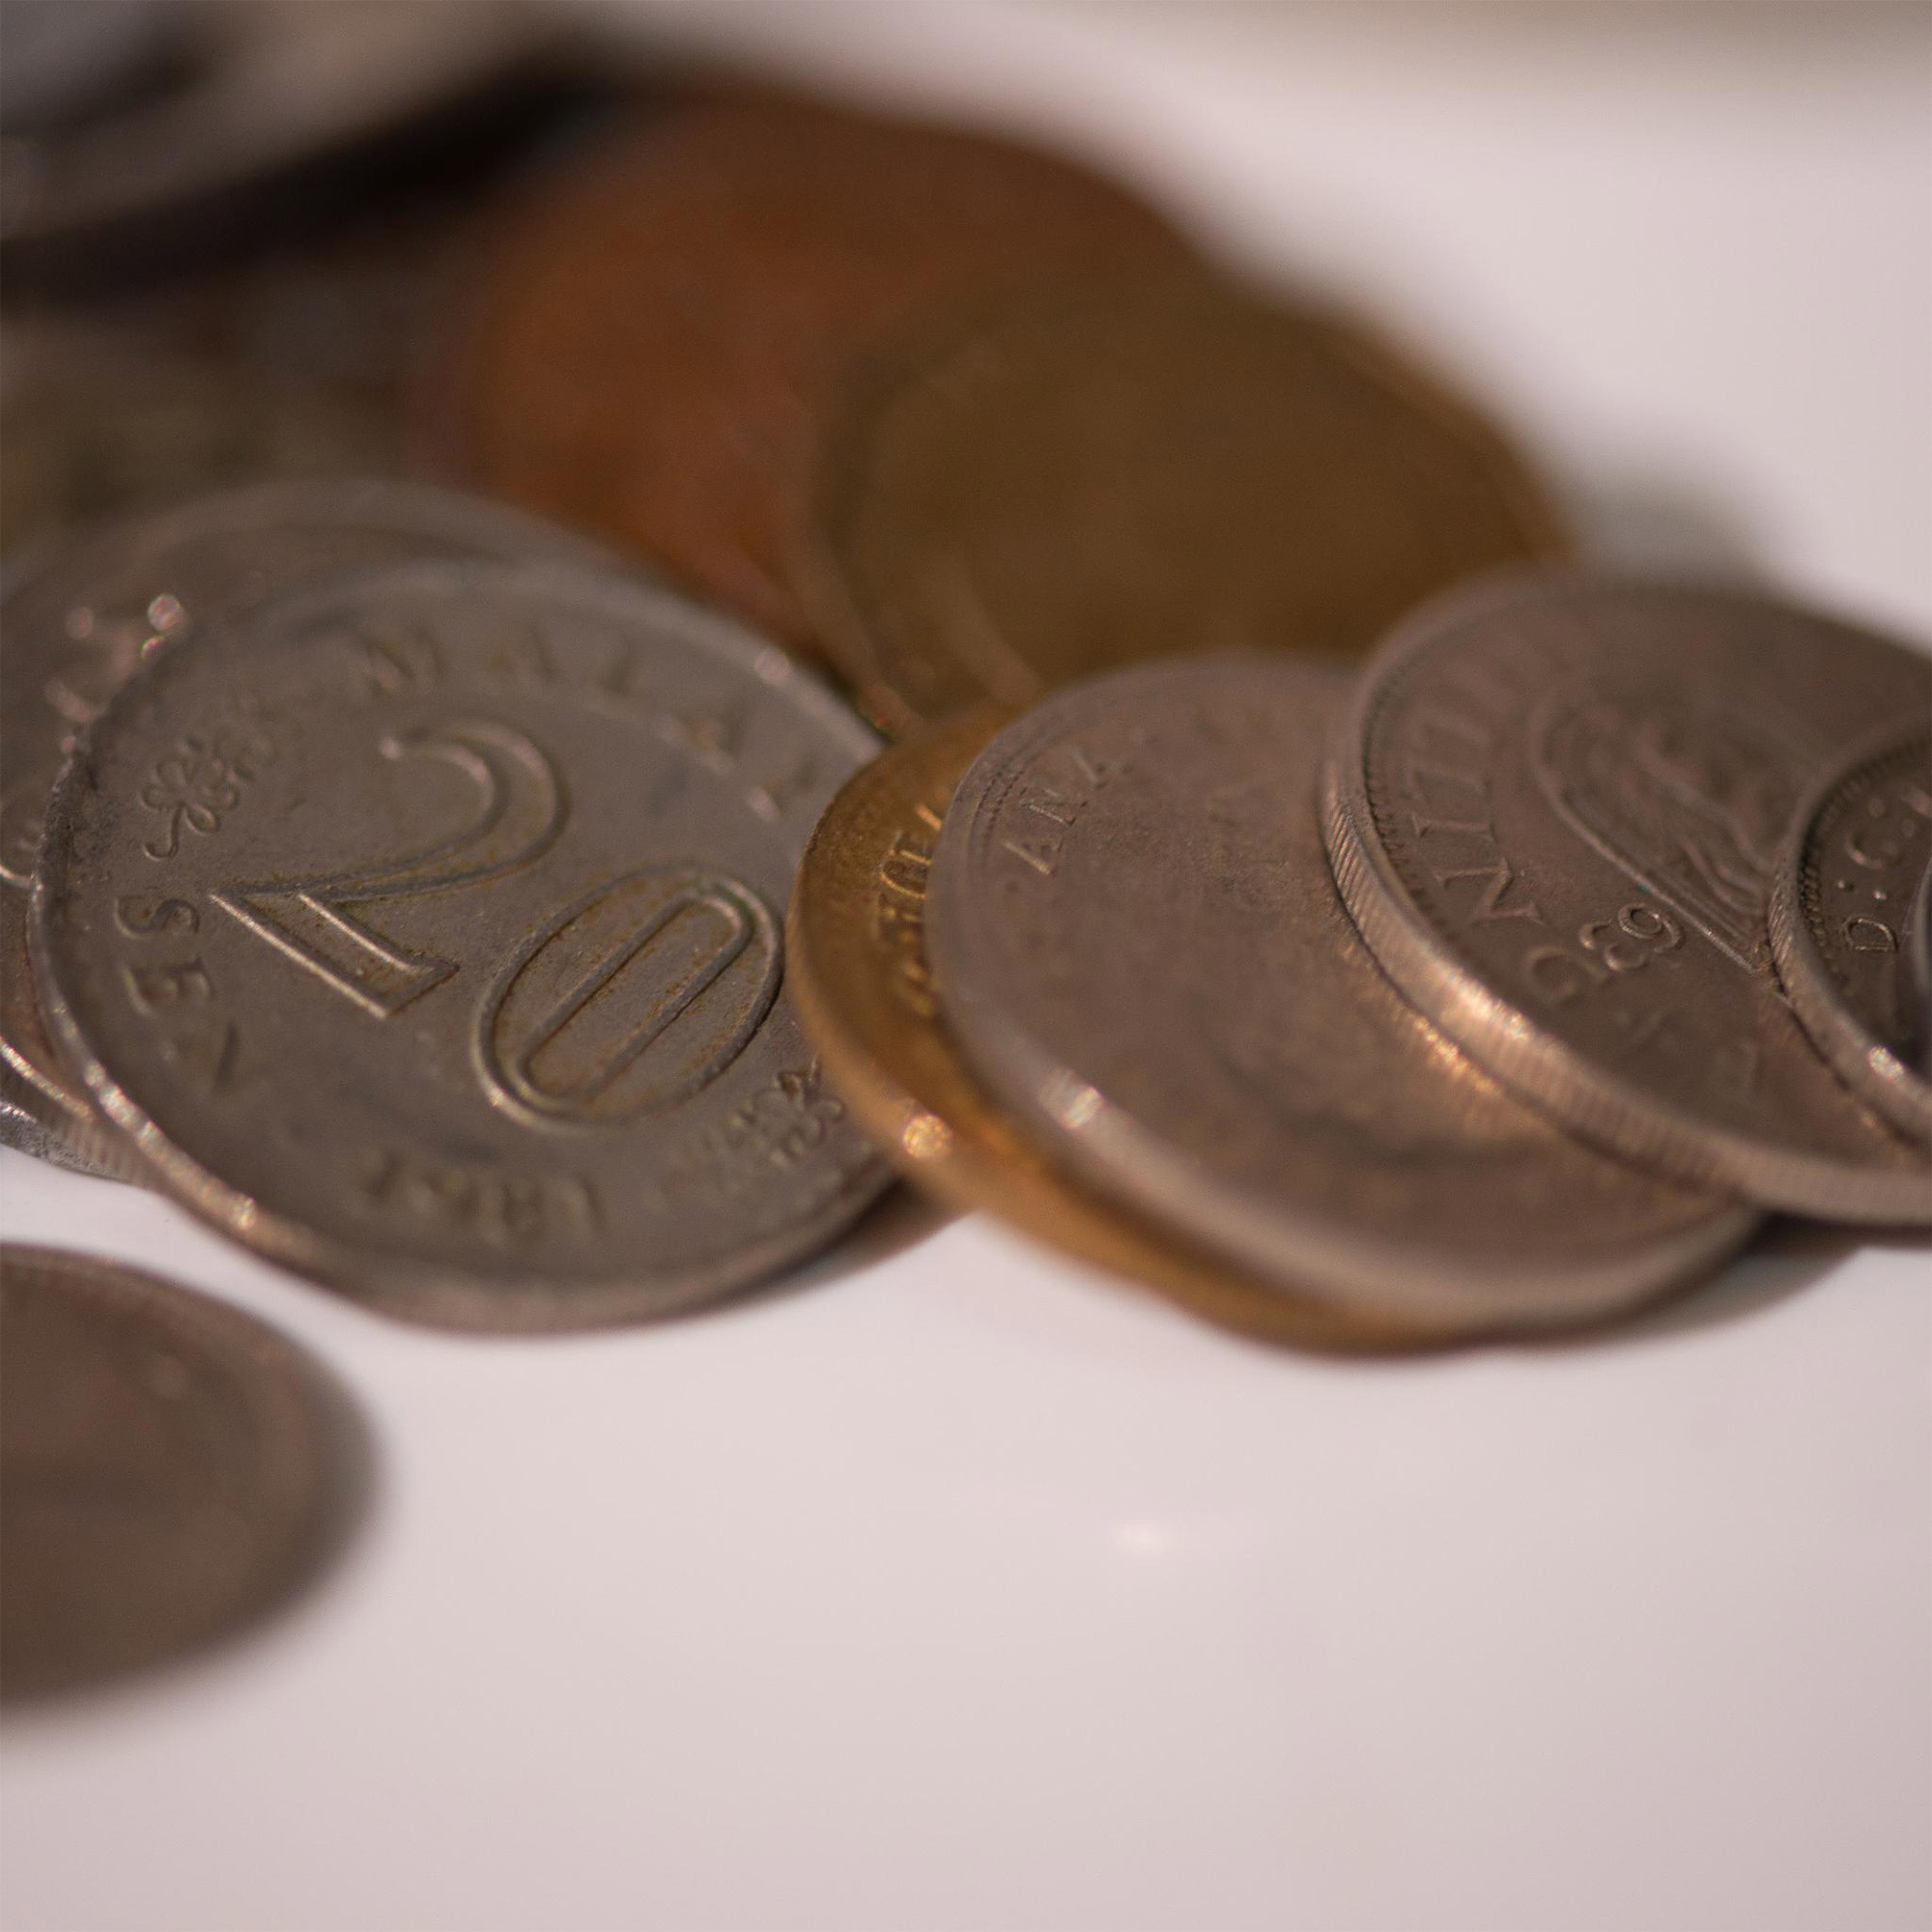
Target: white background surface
column 959, row 1588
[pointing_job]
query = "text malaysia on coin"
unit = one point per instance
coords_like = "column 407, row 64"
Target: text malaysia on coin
column 167, row 1468
column 1081, row 478
column 425, row 929
column 655, row 346
column 1555, row 810
column 857, row 971
column 1843, row 907
column 1139, row 947
column 84, row 613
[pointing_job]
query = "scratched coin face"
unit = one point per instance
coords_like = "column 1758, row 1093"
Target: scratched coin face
column 859, row 977
column 81, row 616
column 165, row 1470
column 1556, row 812
column 425, row 928
column 1136, row 939
column 1081, row 478
column 1847, row 917
column 655, row 341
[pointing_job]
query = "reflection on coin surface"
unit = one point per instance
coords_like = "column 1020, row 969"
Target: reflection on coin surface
column 1139, row 947
column 79, row 619
column 1555, row 812
column 425, row 929
column 1841, row 912
column 656, row 341
column 858, row 975
column 164, row 1469
column 1083, row 478
column 91, row 427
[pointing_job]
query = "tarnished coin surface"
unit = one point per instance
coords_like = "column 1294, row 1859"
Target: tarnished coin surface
column 93, row 425
column 857, row 972
column 1138, row 943
column 1081, row 478
column 166, row 1471
column 83, row 614
column 1556, row 810
column 654, row 346
column 424, row 929
column 1842, row 907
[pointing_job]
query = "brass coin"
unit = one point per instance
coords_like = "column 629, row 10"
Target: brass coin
column 1140, row 950
column 655, row 344
column 1081, row 478
column 857, row 973
column 1555, row 812
column 1841, row 912
column 423, row 928
column 77, row 619
column 165, row 1470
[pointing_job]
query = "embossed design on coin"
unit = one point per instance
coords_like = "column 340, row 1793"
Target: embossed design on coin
column 470, row 1004
column 165, row 1470
column 1842, row 932
column 860, row 978
column 1079, row 478
column 1138, row 943
column 1554, row 813
column 78, row 624
column 656, row 341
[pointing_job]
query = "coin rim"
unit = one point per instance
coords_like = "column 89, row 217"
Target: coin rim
column 431, row 1293
column 1581, row 1092
column 1859, row 1058
column 1287, row 1241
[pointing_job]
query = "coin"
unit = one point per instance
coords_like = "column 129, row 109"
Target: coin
column 857, row 973
column 1141, row 951
column 1078, row 479
column 654, row 342
column 424, row 930
column 166, row 1471
column 93, row 425
column 79, row 617
column 1555, row 810
column 1841, row 911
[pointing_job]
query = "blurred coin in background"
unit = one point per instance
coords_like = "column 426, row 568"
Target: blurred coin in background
column 80, row 616
column 169, row 1468
column 1139, row 949
column 857, row 972
column 1556, row 812
column 655, row 338
column 1079, row 479
column 1843, row 901
column 425, row 926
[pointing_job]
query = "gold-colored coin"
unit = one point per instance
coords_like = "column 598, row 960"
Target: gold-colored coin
column 1129, row 469
column 856, row 975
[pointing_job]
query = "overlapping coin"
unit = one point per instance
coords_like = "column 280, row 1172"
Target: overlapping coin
column 81, row 616
column 169, row 1468
column 422, row 929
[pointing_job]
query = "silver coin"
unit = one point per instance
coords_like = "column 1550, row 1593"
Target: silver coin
column 1841, row 907
column 425, row 930
column 1139, row 947
column 1555, row 812
column 80, row 616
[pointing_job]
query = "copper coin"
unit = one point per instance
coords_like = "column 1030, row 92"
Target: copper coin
column 857, row 973
column 81, row 615
column 166, row 1471
column 1556, row 810
column 1140, row 950
column 654, row 346
column 423, row 929
column 1084, row 478
column 1842, row 927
